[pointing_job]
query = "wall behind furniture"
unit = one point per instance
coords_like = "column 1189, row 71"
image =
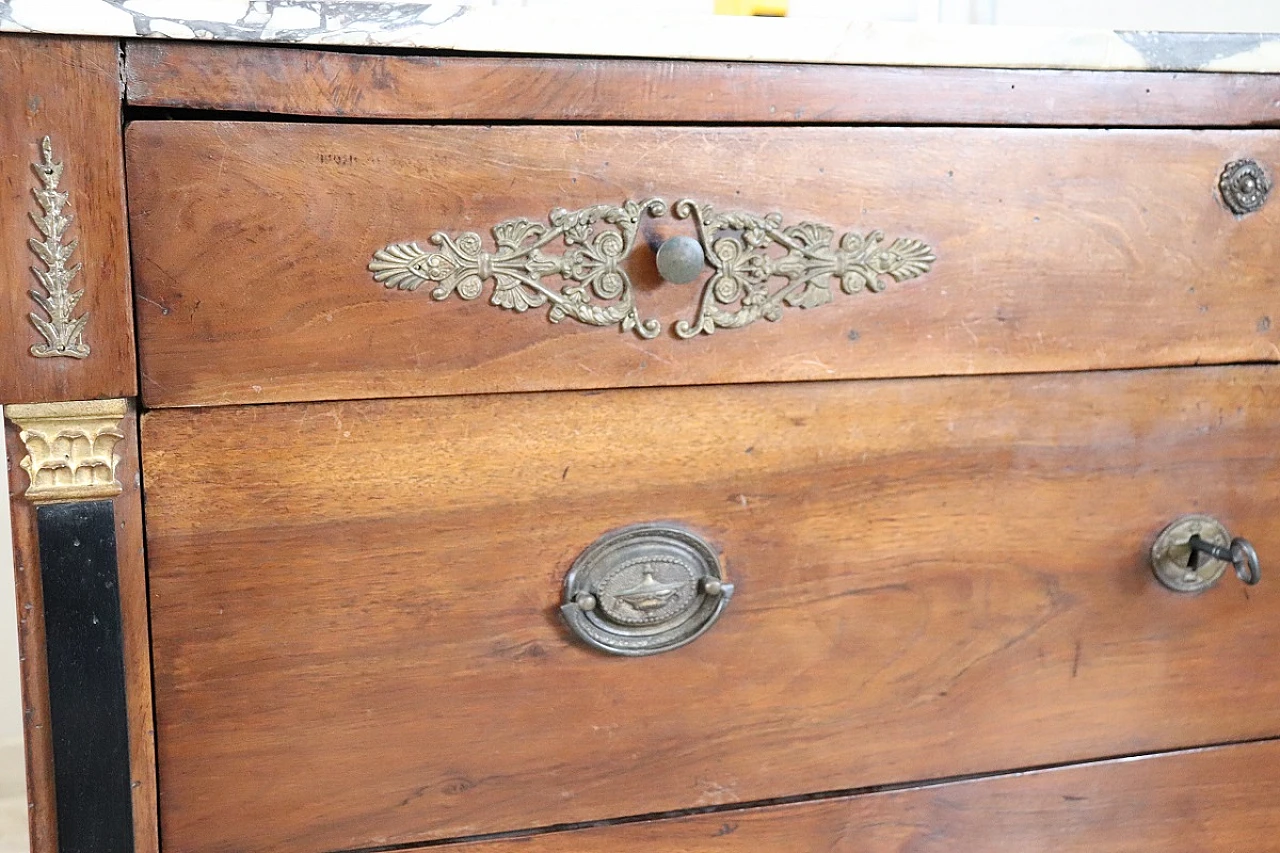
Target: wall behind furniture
column 1185, row 15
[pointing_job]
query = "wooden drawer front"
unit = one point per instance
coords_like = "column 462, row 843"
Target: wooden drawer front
column 1055, row 250
column 354, row 606
column 1210, row 801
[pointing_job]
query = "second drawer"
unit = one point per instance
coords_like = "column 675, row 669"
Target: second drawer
column 356, row 627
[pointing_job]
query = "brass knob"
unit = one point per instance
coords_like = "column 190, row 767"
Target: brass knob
column 681, row 259
column 1244, row 186
column 1193, row 552
column 644, row 589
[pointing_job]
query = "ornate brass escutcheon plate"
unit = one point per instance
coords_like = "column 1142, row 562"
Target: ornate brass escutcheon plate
column 1171, row 554
column 753, row 267
column 644, row 589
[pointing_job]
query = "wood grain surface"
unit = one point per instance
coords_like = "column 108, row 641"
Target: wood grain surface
column 1057, row 250
column 133, row 612
column 354, row 605
column 1205, row 801
column 294, row 81
column 69, row 90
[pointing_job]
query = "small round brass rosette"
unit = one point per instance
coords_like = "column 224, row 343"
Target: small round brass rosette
column 644, row 589
column 1244, row 186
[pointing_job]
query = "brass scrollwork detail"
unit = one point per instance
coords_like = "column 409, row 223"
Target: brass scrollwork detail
column 591, row 265
column 749, row 279
column 737, row 247
column 63, row 333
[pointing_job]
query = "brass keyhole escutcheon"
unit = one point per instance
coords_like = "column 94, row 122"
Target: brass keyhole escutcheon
column 644, row 589
column 1193, row 552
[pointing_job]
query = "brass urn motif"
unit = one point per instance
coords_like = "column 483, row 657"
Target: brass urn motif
column 644, row 589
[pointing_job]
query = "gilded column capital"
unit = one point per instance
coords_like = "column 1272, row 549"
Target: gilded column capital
column 70, row 448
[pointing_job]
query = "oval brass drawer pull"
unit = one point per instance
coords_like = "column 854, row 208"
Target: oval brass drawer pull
column 644, row 589
column 758, row 266
column 1193, row 552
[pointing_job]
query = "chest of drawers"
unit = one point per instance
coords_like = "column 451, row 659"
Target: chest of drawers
column 474, row 519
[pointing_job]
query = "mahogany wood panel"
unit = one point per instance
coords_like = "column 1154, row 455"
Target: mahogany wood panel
column 296, row 81
column 354, row 605
column 69, row 90
column 1209, row 801
column 1057, row 250
column 133, row 612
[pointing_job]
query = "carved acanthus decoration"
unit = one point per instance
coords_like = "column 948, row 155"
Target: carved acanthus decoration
column 63, row 332
column 757, row 266
column 741, row 248
column 70, row 448
column 597, row 290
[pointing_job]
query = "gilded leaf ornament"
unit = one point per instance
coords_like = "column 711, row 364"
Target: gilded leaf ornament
column 597, row 291
column 742, row 250
column 758, row 267
column 62, row 331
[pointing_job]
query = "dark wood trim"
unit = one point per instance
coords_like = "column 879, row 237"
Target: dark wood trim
column 84, row 647
column 308, row 82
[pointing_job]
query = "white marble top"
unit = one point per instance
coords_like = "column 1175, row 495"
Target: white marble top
column 533, row 30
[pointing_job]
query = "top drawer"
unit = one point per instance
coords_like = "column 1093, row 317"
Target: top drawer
column 1002, row 251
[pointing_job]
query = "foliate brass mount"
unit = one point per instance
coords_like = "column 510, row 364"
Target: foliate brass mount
column 644, row 589
column 63, row 332
column 738, row 248
column 70, row 448
column 758, row 266
column 1244, row 186
column 1193, row 552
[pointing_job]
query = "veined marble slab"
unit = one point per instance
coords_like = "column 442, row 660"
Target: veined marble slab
column 532, row 30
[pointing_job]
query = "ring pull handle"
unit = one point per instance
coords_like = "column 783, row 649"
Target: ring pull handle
column 1193, row 552
column 644, row 589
